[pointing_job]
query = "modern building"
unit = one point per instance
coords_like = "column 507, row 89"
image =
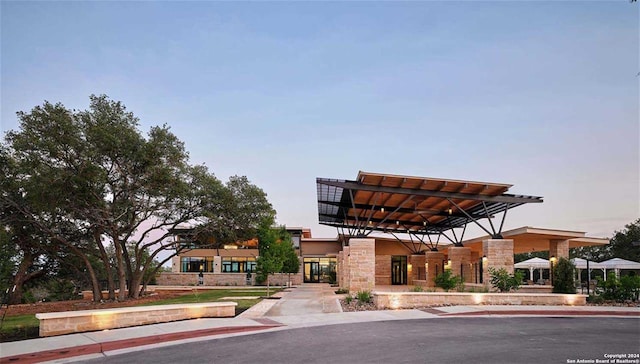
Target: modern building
column 393, row 230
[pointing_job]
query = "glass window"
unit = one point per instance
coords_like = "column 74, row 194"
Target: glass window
column 238, row 264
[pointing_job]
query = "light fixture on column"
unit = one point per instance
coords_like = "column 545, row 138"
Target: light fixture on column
column 484, row 258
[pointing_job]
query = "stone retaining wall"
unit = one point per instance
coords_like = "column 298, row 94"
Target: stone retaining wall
column 398, row 300
column 60, row 323
column 222, row 279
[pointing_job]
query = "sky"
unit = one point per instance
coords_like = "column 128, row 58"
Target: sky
column 541, row 95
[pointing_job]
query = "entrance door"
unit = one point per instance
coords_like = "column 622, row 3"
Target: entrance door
column 311, row 272
column 398, row 270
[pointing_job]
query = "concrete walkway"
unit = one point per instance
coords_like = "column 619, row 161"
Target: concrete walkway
column 307, row 299
column 305, row 306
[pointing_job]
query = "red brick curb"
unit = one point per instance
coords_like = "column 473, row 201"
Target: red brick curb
column 123, row 344
column 544, row 313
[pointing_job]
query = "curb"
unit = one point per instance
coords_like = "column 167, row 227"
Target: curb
column 542, row 313
column 97, row 348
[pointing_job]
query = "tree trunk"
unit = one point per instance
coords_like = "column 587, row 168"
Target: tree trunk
column 107, row 266
column 122, row 278
column 16, row 292
column 267, row 285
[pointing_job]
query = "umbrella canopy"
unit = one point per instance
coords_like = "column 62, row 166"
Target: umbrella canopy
column 582, row 264
column 619, row 263
column 533, row 263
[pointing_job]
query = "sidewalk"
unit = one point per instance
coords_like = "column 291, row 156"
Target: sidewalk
column 305, row 306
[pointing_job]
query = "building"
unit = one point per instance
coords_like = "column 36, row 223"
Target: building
column 392, row 230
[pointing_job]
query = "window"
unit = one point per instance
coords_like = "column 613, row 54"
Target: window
column 196, row 264
column 238, row 264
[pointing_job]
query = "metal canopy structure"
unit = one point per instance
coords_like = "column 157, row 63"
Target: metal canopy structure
column 417, row 206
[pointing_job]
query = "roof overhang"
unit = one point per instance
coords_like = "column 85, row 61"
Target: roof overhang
column 408, row 204
column 529, row 239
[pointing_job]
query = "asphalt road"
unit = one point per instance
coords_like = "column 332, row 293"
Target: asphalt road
column 451, row 340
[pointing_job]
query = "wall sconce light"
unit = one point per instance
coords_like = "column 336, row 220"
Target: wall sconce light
column 484, row 258
column 449, row 262
column 553, row 259
column 409, row 266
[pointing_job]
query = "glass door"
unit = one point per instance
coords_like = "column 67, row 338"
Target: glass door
column 311, row 272
column 398, row 270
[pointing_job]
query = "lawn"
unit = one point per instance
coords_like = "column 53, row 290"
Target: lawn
column 22, row 327
column 216, row 295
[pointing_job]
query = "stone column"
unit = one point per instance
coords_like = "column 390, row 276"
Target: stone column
column 362, row 264
column 217, row 264
column 339, row 267
column 417, row 268
column 474, row 268
column 499, row 253
column 433, row 262
column 175, row 264
column 559, row 249
column 460, row 258
column 345, row 267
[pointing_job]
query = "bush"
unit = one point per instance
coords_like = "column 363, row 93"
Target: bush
column 348, row 299
column 503, row 281
column 563, row 276
column 595, row 299
column 364, row 297
column 342, row 290
column 447, row 281
column 417, row 289
column 625, row 288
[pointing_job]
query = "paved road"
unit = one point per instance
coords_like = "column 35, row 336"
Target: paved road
column 451, row 340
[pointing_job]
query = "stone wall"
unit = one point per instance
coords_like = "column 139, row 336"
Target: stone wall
column 499, row 254
column 222, row 279
column 402, row 300
column 383, row 270
column 60, row 323
column 460, row 258
column 362, row 264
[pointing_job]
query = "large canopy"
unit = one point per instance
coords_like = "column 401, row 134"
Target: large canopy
column 533, row 263
column 619, row 263
column 582, row 264
column 406, row 204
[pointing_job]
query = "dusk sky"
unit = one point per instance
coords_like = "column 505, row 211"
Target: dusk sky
column 542, row 95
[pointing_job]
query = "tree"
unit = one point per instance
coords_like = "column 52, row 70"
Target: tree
column 90, row 179
column 291, row 264
column 242, row 213
column 621, row 246
column 275, row 251
column 563, row 276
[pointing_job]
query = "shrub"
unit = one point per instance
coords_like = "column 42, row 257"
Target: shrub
column 563, row 276
column 595, row 299
column 417, row 289
column 447, row 281
column 625, row 288
column 364, row 297
column 348, row 299
column 630, row 286
column 342, row 290
column 503, row 281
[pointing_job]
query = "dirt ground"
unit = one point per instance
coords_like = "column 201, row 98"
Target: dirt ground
column 76, row 305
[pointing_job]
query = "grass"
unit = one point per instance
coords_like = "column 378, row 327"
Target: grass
column 216, row 295
column 19, row 327
column 23, row 327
